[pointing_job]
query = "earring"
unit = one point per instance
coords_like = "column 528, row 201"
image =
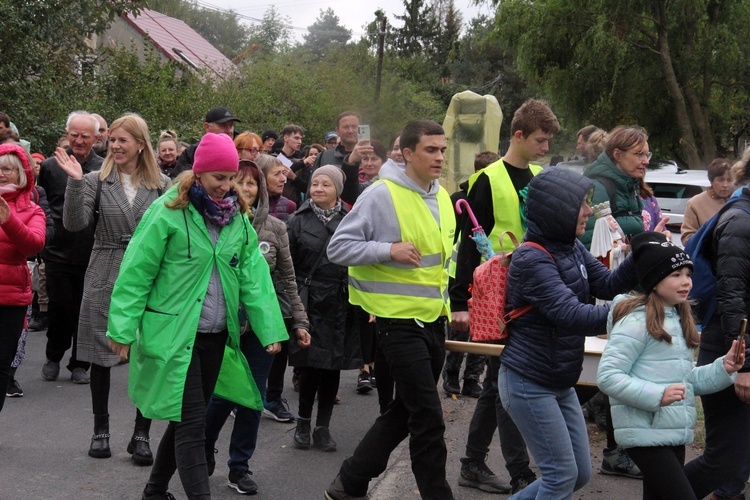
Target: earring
column 140, row 151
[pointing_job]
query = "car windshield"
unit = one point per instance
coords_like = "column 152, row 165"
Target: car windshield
column 673, row 197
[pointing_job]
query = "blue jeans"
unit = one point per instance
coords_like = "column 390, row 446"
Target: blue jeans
column 551, row 422
column 246, row 421
column 415, row 356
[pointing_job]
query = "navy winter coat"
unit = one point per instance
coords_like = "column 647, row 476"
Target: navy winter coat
column 546, row 345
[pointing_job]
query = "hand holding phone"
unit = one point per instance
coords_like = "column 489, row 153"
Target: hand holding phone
column 363, row 133
column 741, row 342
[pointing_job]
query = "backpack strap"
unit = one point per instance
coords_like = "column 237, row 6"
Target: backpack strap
column 520, row 311
column 97, row 199
column 609, row 186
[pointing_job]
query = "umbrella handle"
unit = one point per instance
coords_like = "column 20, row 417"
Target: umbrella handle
column 465, row 203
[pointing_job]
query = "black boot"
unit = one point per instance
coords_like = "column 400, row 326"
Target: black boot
column 139, row 444
column 38, row 321
column 322, row 439
column 100, row 440
column 302, row 433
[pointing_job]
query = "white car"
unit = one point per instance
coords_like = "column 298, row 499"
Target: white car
column 672, row 189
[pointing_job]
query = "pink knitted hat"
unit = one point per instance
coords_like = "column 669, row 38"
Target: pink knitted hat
column 216, row 152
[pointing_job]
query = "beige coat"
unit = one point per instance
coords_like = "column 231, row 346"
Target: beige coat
column 699, row 209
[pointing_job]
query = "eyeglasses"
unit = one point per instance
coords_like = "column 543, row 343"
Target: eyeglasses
column 642, row 156
column 7, row 170
column 254, row 151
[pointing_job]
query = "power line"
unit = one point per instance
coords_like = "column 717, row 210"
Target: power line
column 289, row 26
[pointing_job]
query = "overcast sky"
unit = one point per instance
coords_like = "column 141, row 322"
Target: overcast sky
column 353, row 14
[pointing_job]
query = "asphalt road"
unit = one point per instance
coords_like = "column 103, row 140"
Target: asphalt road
column 45, row 437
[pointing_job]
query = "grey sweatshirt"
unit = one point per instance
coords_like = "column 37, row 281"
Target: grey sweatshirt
column 367, row 232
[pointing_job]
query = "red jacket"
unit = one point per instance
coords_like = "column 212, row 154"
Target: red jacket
column 20, row 236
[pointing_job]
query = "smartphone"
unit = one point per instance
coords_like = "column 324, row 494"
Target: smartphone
column 741, row 341
column 363, row 133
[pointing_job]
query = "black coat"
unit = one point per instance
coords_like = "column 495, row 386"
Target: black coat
column 731, row 257
column 66, row 247
column 333, row 325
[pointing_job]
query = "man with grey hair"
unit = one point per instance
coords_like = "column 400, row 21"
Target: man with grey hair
column 102, row 143
column 67, row 255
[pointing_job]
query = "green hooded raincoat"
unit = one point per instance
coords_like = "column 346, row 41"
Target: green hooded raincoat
column 158, row 296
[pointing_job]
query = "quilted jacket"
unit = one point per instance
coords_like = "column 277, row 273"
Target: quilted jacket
column 547, row 344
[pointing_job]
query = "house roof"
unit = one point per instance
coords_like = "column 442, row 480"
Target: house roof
column 173, row 37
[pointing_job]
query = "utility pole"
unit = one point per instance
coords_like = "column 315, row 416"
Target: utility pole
column 381, row 48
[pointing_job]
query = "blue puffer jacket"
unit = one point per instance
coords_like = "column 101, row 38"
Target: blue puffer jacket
column 636, row 369
column 546, row 345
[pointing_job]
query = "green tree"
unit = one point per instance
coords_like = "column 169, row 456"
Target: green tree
column 486, row 66
column 326, row 33
column 45, row 54
column 273, row 35
column 419, row 29
column 445, row 48
column 664, row 64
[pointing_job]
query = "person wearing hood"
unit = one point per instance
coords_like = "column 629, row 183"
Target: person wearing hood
column 280, row 207
column 396, row 242
column 543, row 358
column 192, row 262
column 274, row 245
column 22, row 233
column 334, row 344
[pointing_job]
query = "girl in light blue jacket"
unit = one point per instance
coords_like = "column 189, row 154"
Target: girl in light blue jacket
column 647, row 368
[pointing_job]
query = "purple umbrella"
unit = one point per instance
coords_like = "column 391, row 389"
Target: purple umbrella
column 477, row 233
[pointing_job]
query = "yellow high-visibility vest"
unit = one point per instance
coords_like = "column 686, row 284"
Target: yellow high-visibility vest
column 506, row 208
column 402, row 291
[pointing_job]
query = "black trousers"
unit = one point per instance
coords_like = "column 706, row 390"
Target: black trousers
column 11, row 324
column 415, row 355
column 367, row 337
column 183, row 446
column 324, row 383
column 489, row 415
column 727, row 451
column 65, row 290
column 475, row 363
column 275, row 385
column 663, row 472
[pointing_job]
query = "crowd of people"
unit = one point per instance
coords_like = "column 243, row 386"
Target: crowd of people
column 211, row 268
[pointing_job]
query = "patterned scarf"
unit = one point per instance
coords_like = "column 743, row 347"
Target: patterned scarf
column 221, row 212
column 325, row 216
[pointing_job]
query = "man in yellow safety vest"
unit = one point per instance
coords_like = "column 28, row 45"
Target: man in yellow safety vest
column 396, row 241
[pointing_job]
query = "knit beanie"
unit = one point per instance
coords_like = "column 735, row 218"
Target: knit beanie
column 656, row 258
column 332, row 172
column 215, row 153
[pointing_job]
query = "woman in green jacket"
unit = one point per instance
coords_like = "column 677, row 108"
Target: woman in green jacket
column 617, row 174
column 193, row 260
